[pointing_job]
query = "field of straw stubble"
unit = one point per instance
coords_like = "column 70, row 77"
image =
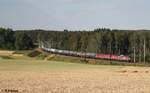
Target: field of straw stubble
column 32, row 76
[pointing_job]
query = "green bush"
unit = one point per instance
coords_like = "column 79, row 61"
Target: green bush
column 34, row 53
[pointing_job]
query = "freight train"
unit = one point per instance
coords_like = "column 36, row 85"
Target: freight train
column 88, row 55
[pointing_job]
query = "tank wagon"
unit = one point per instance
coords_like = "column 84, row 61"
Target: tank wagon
column 88, row 55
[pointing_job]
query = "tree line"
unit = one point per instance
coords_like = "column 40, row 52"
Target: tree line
column 12, row 40
column 135, row 43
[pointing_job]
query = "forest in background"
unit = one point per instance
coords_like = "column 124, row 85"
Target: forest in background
column 103, row 41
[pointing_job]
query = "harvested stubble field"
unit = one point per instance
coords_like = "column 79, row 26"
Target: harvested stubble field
column 38, row 76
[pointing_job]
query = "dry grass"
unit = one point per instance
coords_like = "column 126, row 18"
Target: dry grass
column 74, row 78
column 18, row 55
column 6, row 53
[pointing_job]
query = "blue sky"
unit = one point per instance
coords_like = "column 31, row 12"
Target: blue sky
column 75, row 14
